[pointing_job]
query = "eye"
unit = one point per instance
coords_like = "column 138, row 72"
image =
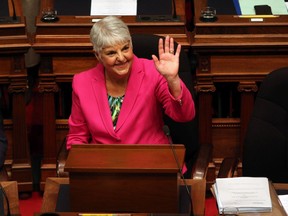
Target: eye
column 126, row 47
column 111, row 53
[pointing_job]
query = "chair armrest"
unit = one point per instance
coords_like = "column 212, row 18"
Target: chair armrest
column 228, row 167
column 201, row 164
column 197, row 182
column 12, row 194
column 197, row 193
column 51, row 192
column 61, row 160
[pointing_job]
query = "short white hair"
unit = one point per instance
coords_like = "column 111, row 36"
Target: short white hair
column 109, row 31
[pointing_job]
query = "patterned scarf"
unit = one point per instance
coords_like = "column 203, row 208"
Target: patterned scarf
column 115, row 104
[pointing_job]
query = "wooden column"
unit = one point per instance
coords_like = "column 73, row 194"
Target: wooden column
column 21, row 166
column 13, row 45
column 205, row 87
column 48, row 88
column 248, row 90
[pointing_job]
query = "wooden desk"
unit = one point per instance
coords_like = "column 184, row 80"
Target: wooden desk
column 52, row 187
column 53, row 184
column 65, row 49
column 74, row 30
column 121, row 214
column 13, row 45
column 124, row 178
column 239, row 53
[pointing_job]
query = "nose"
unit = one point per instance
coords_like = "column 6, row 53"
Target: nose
column 120, row 56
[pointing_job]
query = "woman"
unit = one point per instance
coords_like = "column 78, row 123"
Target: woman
column 122, row 99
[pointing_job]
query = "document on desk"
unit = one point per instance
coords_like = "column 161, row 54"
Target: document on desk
column 242, row 195
column 284, row 201
column 278, row 7
column 113, row 7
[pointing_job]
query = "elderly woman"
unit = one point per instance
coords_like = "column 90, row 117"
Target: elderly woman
column 122, row 99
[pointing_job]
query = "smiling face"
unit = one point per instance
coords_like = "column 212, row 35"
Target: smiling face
column 117, row 59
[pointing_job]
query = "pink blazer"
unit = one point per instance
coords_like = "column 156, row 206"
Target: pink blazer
column 140, row 120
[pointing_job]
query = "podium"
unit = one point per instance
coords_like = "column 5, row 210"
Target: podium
column 124, row 178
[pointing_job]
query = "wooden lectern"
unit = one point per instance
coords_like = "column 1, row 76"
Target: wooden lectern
column 124, row 178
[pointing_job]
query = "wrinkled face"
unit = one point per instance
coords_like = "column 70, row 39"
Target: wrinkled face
column 117, row 59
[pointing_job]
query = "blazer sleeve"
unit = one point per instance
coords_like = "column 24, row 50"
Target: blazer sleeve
column 181, row 109
column 78, row 129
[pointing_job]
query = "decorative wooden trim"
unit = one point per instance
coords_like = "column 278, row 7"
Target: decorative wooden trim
column 48, row 88
column 247, row 87
column 204, row 63
column 205, row 88
column 225, row 123
column 16, row 89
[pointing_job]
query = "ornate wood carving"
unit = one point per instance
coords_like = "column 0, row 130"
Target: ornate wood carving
column 48, row 87
column 204, row 64
column 249, row 86
column 205, row 88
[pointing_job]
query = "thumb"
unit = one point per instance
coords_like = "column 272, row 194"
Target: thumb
column 155, row 59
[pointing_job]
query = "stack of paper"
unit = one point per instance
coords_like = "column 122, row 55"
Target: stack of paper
column 284, row 201
column 242, row 195
column 113, row 7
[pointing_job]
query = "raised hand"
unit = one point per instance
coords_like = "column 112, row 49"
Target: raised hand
column 168, row 63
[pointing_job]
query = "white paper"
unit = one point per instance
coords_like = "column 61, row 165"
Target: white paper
column 278, row 7
column 243, row 194
column 284, row 201
column 113, row 7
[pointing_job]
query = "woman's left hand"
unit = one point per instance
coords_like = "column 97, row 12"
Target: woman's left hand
column 168, row 62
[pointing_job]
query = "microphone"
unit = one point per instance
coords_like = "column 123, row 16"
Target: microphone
column 167, row 133
column 8, row 19
column 6, row 199
column 14, row 10
column 175, row 16
column 15, row 19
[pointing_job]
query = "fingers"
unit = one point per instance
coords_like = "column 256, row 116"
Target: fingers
column 178, row 50
column 170, row 42
column 171, row 45
column 155, row 59
column 160, row 46
column 167, row 46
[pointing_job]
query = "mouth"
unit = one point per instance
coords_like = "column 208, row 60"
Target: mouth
column 122, row 65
